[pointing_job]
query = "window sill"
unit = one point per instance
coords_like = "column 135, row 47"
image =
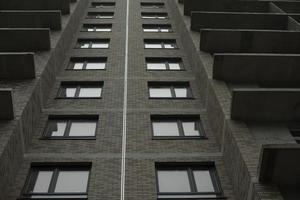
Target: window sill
column 79, row 98
column 171, row 98
column 68, row 138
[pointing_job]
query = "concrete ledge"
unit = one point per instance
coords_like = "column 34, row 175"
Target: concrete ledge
column 249, row 41
column 225, row 6
column 269, row 69
column 30, row 19
column 226, row 20
column 24, row 39
column 266, row 105
column 280, row 164
column 6, row 105
column 17, row 66
column 62, row 5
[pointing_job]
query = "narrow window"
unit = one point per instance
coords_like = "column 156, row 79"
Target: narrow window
column 96, row 28
column 157, row 28
column 177, row 127
column 100, row 15
column 154, row 15
column 187, row 181
column 57, row 181
column 80, row 90
column 152, row 5
column 164, row 64
column 87, row 64
column 160, row 44
column 103, row 4
column 174, row 90
column 93, row 44
column 71, row 127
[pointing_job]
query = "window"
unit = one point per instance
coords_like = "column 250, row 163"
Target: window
column 92, row 44
column 152, row 5
column 96, row 27
column 80, row 90
column 174, row 90
column 295, row 131
column 60, row 181
column 164, row 64
column 87, row 63
column 177, row 126
column 157, row 28
column 153, row 15
column 102, row 4
column 187, row 181
column 71, row 127
column 160, row 44
column 100, row 15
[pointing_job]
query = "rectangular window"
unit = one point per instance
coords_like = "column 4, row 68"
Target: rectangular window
column 87, row 64
column 100, row 15
column 177, row 126
column 80, row 90
column 71, row 127
column 170, row 90
column 295, row 131
column 152, row 5
column 57, row 181
column 103, row 4
column 164, row 64
column 157, row 28
column 160, row 44
column 187, row 181
column 96, row 28
column 93, row 44
column 154, row 15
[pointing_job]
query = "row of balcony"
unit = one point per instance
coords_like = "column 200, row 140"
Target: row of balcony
column 25, row 29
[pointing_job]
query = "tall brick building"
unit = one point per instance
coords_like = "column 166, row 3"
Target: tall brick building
column 149, row 99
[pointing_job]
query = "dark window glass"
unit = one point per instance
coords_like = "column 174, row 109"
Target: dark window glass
column 71, row 127
column 102, row 4
column 295, row 131
column 160, row 44
column 93, row 44
column 182, row 126
column 87, row 64
column 175, row 90
column 187, row 181
column 100, row 15
column 57, row 182
column 154, row 15
column 80, row 90
column 96, row 27
column 152, row 5
column 164, row 64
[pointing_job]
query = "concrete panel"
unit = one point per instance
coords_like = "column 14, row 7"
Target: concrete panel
column 30, row 19
column 263, row 69
column 225, row 20
column 6, row 105
column 224, row 6
column 62, row 5
column 249, row 41
column 17, row 66
column 266, row 105
column 280, row 164
column 24, row 39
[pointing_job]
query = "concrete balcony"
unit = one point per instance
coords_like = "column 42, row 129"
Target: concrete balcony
column 280, row 164
column 225, row 20
column 263, row 69
column 17, row 66
column 266, row 104
column 6, row 105
column 22, row 40
column 62, row 5
column 30, row 19
column 249, row 41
